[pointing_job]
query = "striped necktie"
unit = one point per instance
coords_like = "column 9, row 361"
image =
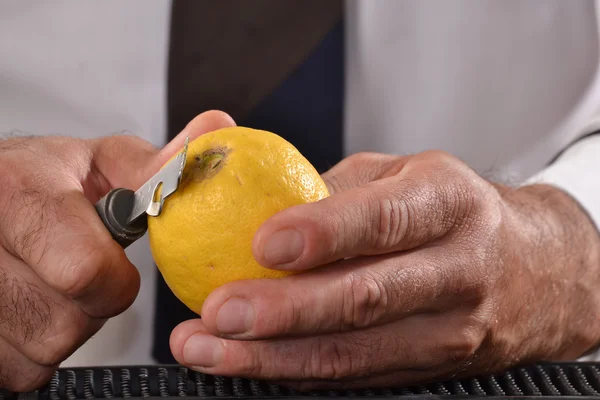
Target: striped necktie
column 271, row 64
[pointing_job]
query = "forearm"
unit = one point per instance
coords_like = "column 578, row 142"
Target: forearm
column 557, row 250
column 575, row 172
column 576, row 204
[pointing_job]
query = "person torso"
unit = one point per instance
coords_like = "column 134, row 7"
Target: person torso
column 502, row 85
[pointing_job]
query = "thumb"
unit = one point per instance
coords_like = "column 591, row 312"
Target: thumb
column 385, row 216
column 208, row 121
column 129, row 161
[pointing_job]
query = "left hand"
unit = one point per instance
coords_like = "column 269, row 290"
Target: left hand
column 416, row 269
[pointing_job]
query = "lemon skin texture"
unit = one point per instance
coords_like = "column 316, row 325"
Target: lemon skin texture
column 234, row 180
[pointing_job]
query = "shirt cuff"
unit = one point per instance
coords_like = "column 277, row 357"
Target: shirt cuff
column 575, row 171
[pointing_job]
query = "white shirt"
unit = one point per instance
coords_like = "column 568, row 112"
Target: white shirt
column 503, row 85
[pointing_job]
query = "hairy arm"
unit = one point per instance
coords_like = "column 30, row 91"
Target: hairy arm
column 575, row 171
column 577, row 207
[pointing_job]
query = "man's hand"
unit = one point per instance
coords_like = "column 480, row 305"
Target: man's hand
column 414, row 269
column 61, row 274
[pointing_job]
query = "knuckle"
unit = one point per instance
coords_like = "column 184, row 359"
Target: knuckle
column 476, row 290
column 249, row 364
column 23, row 379
column 333, row 181
column 364, row 301
column 409, row 214
column 295, row 315
column 329, row 360
column 458, row 195
column 359, row 159
column 82, row 269
column 480, row 271
column 68, row 332
column 370, row 166
column 394, row 216
column 440, row 158
column 286, row 319
column 126, row 141
column 335, row 226
column 465, row 279
column 469, row 198
column 51, row 354
column 465, row 345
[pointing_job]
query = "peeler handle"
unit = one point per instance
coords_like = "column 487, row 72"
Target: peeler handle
column 114, row 210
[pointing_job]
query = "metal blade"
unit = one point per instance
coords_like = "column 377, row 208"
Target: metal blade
column 147, row 199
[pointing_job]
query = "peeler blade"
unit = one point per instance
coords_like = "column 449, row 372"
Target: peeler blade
column 150, row 197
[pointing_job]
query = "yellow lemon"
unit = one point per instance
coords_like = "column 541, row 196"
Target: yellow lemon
column 234, row 180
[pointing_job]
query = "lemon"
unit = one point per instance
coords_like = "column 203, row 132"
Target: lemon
column 234, row 180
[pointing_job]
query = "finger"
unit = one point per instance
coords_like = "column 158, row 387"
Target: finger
column 349, row 295
column 113, row 283
column 129, row 161
column 19, row 374
column 396, row 380
column 360, row 169
column 419, row 343
column 56, row 230
column 392, row 214
column 208, row 121
column 405, row 378
column 59, row 235
column 37, row 321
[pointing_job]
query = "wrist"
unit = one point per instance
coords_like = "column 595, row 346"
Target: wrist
column 558, row 243
column 561, row 219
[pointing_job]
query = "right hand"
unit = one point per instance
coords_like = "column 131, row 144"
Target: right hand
column 61, row 274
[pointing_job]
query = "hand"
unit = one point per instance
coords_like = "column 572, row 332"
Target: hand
column 414, row 269
column 61, row 274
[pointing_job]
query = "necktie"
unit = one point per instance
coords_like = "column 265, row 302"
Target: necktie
column 227, row 54
column 271, row 64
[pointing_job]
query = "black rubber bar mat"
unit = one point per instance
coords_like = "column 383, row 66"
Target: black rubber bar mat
column 565, row 380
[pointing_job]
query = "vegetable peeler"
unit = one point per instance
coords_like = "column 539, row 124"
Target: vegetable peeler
column 124, row 211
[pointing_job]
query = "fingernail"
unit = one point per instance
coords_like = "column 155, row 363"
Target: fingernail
column 202, row 350
column 235, row 316
column 283, row 247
